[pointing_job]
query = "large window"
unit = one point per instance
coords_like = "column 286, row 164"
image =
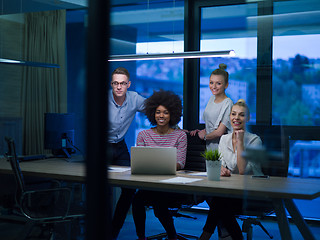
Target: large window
column 289, row 95
column 158, row 27
column 296, row 86
column 137, row 28
column 296, row 79
column 230, row 28
column 149, row 28
column 154, row 75
column 304, row 158
column 296, row 61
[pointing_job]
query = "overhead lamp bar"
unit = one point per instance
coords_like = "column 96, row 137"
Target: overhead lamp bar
column 28, row 63
column 193, row 54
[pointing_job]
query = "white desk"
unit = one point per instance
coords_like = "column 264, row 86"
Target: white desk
column 280, row 190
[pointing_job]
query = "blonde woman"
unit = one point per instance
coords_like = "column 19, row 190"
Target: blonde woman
column 216, row 113
column 231, row 147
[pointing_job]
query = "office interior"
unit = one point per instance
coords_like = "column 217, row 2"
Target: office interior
column 275, row 68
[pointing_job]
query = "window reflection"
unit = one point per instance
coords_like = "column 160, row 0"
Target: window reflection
column 155, row 27
column 304, row 159
column 230, row 27
column 153, row 75
column 296, row 62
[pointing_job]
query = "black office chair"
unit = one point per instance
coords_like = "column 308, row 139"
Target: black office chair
column 276, row 164
column 194, row 162
column 254, row 211
column 39, row 207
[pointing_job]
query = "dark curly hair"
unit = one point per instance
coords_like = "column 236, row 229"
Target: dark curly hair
column 169, row 100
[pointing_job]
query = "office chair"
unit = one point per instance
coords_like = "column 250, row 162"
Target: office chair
column 38, row 206
column 194, row 162
column 276, row 164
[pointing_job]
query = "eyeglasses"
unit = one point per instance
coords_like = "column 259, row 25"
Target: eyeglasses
column 115, row 84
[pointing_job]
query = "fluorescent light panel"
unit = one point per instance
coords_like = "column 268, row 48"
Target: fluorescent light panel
column 194, row 54
column 28, row 63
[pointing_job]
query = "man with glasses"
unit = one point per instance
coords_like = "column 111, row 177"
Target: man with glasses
column 123, row 105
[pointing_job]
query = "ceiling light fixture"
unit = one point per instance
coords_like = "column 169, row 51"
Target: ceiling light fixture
column 191, row 54
column 28, row 63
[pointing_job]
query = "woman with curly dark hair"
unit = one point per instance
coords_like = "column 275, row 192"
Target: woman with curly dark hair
column 164, row 110
column 169, row 100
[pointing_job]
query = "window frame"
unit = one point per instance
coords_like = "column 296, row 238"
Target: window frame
column 192, row 20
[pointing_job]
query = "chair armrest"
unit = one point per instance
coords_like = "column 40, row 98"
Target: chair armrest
column 46, row 204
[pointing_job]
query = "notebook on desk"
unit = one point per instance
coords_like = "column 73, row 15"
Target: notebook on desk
column 153, row 160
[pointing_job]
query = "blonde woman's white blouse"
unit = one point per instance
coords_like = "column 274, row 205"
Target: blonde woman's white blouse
column 229, row 157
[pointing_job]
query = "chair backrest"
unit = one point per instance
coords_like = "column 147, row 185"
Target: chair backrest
column 194, row 160
column 14, row 162
column 274, row 139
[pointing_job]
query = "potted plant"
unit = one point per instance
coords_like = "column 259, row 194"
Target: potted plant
column 213, row 164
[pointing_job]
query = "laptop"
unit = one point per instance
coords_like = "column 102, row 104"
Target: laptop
column 153, row 160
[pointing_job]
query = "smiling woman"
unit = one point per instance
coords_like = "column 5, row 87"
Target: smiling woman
column 162, row 117
column 231, row 147
column 164, row 110
column 167, row 99
column 233, row 144
column 216, row 113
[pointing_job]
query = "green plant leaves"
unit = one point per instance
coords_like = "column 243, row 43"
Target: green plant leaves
column 212, row 155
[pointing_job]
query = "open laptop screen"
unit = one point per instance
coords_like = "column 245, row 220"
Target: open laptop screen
column 153, row 160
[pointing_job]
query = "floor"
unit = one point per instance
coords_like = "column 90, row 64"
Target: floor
column 194, row 227
column 10, row 229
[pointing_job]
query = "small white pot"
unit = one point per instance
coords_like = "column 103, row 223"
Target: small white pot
column 213, row 170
